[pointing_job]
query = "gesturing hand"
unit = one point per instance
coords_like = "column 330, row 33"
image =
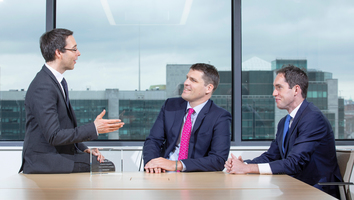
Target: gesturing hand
column 107, row 125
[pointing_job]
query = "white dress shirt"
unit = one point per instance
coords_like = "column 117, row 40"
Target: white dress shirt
column 57, row 75
column 264, row 168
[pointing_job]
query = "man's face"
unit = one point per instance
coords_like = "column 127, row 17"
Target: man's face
column 195, row 91
column 284, row 97
column 70, row 56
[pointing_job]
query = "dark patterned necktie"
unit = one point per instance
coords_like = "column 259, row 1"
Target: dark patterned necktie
column 65, row 87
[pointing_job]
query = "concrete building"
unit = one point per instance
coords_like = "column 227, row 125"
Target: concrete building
column 139, row 109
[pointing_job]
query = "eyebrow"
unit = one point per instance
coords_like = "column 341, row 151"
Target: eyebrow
column 191, row 77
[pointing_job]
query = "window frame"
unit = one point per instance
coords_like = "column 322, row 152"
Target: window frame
column 236, row 68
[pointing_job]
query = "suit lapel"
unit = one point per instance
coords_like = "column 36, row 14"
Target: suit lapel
column 197, row 124
column 178, row 121
column 280, row 139
column 51, row 75
column 54, row 79
column 201, row 116
column 296, row 120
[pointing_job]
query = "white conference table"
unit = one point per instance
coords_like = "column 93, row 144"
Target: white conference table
column 140, row 185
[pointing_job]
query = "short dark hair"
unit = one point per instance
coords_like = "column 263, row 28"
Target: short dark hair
column 53, row 40
column 295, row 76
column 211, row 74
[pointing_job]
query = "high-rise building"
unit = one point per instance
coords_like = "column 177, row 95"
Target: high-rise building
column 279, row 63
column 139, row 109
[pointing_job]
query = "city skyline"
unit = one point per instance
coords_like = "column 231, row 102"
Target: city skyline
column 252, row 64
column 319, row 31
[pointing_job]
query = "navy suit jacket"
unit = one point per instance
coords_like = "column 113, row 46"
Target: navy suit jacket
column 310, row 153
column 52, row 137
column 209, row 144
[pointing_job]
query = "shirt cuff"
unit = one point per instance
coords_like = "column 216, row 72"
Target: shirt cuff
column 184, row 166
column 264, row 168
column 96, row 130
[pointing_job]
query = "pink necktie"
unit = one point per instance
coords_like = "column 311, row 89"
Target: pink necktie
column 186, row 135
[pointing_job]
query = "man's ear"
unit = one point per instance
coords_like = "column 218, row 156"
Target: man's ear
column 210, row 88
column 297, row 90
column 58, row 54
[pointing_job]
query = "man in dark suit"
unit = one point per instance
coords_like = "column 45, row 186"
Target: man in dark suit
column 304, row 146
column 53, row 141
column 190, row 133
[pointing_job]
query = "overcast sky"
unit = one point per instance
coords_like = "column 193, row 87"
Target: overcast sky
column 176, row 32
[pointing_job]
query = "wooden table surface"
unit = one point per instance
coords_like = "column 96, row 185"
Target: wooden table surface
column 140, row 185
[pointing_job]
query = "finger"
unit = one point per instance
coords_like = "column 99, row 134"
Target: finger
column 228, row 161
column 106, row 128
column 100, row 158
column 101, row 114
column 113, row 121
column 114, row 125
column 227, row 165
column 240, row 158
column 233, row 156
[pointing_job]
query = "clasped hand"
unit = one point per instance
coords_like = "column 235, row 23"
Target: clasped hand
column 159, row 165
column 235, row 165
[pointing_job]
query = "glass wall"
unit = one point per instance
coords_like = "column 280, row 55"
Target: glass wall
column 143, row 49
column 315, row 35
column 20, row 59
column 134, row 55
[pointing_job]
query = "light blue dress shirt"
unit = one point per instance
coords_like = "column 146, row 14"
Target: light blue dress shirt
column 174, row 153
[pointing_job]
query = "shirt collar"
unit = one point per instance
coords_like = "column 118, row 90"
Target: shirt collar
column 197, row 108
column 57, row 74
column 293, row 113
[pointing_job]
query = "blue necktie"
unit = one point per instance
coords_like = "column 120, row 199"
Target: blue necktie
column 65, row 87
column 286, row 130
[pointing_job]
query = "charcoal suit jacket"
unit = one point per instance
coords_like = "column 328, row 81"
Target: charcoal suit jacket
column 52, row 137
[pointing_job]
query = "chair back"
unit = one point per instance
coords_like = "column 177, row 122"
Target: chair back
column 345, row 159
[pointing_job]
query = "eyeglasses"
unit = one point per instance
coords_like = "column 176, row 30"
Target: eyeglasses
column 74, row 50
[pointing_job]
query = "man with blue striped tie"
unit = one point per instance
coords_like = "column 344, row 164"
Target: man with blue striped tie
column 304, row 146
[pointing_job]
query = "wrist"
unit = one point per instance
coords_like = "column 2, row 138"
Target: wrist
column 179, row 165
column 252, row 169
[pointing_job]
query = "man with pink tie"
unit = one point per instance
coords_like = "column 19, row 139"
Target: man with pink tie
column 191, row 133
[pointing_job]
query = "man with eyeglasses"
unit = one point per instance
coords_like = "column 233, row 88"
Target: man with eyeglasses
column 53, row 141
